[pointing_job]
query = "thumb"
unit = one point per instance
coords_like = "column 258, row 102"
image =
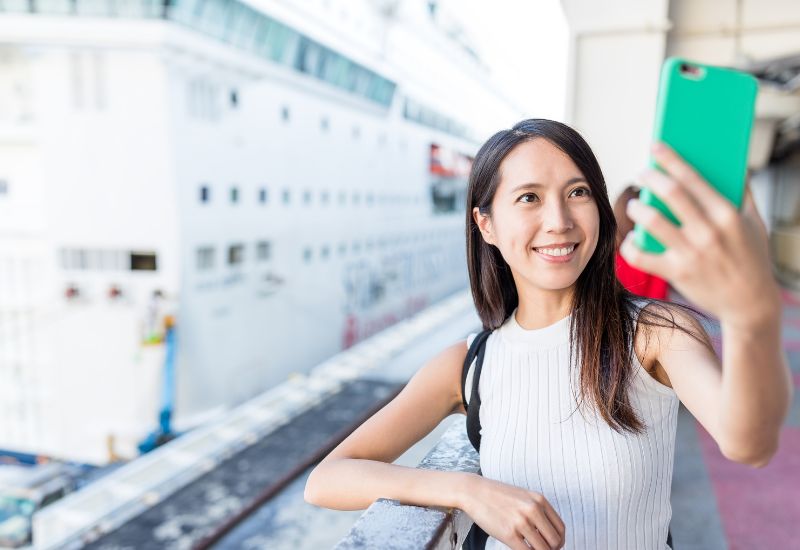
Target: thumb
column 750, row 211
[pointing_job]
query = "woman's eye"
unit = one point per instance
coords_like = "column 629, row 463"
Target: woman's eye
column 584, row 190
column 528, row 195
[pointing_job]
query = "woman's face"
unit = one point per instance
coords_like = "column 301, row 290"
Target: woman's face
column 544, row 221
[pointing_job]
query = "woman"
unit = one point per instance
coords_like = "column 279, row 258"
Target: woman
column 635, row 280
column 540, row 252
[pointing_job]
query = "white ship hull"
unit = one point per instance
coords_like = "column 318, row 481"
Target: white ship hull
column 115, row 126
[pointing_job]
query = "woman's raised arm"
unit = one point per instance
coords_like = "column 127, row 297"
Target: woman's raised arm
column 718, row 258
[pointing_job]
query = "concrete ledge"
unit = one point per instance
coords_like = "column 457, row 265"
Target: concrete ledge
column 390, row 525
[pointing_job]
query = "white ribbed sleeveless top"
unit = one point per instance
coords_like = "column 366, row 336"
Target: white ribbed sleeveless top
column 611, row 490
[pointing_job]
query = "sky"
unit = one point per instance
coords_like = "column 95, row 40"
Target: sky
column 525, row 44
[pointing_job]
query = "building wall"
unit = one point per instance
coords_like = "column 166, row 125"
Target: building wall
column 617, row 52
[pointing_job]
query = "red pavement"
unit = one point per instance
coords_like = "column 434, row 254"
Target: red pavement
column 760, row 508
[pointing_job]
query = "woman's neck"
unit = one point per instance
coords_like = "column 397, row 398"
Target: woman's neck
column 543, row 308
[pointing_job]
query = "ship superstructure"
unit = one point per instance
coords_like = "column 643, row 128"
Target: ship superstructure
column 280, row 179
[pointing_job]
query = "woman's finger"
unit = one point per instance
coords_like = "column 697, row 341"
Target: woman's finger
column 676, row 198
column 688, row 178
column 518, row 544
column 748, row 203
column 534, row 538
column 555, row 519
column 541, row 522
column 750, row 210
column 656, row 264
column 656, row 223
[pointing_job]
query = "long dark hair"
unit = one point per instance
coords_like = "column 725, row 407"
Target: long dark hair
column 603, row 322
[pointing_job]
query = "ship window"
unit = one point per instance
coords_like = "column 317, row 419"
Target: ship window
column 335, row 70
column 202, row 102
column 325, row 252
column 285, row 115
column 205, row 257
column 205, row 193
column 94, row 258
column 120, row 260
column 325, row 59
column 307, row 196
column 235, row 254
column 362, row 81
column 286, row 196
column 307, row 254
column 263, row 250
column 325, row 197
column 342, row 197
column 234, row 194
column 262, row 195
column 308, row 59
column 324, row 124
column 3, row 187
column 80, row 259
column 282, row 44
column 342, row 248
column 234, row 99
column 143, row 261
column 356, row 132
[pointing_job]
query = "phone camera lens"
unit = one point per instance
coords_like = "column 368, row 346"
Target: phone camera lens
column 689, row 70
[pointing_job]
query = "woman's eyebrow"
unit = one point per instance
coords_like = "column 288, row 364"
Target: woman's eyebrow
column 534, row 185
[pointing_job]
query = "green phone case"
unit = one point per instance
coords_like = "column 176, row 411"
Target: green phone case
column 705, row 113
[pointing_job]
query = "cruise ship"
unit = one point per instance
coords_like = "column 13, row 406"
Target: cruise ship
column 277, row 180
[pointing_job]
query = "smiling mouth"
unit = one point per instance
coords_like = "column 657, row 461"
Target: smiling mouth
column 557, row 252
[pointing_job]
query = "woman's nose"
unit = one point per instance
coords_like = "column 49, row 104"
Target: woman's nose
column 557, row 217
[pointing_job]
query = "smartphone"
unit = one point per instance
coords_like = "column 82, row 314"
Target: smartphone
column 705, row 113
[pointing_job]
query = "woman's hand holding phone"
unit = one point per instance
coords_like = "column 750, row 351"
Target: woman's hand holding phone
column 718, row 257
column 518, row 518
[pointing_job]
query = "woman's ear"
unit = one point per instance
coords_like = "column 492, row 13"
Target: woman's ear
column 484, row 223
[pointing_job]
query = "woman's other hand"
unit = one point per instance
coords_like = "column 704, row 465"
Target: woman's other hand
column 718, row 257
column 514, row 515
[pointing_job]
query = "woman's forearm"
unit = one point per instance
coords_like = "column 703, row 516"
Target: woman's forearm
column 354, row 484
column 757, row 388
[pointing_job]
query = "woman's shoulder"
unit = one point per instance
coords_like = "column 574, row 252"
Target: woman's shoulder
column 661, row 318
column 656, row 324
column 445, row 370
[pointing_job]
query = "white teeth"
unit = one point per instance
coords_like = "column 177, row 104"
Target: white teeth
column 556, row 251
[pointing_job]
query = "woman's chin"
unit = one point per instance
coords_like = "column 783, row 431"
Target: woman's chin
column 555, row 283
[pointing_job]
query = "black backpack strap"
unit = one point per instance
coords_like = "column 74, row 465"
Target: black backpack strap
column 476, row 351
column 471, row 353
